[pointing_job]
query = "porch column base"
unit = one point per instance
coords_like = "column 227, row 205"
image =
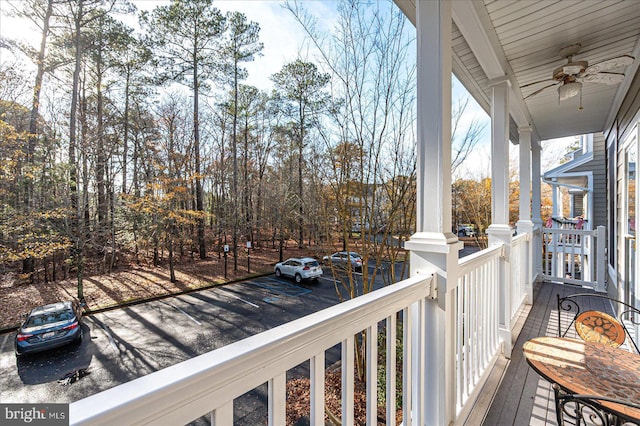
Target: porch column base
column 524, row 226
column 434, row 328
column 501, row 234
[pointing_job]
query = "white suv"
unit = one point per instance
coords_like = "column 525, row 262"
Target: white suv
column 303, row 268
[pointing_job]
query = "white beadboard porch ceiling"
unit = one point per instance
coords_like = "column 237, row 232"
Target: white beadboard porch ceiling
column 521, row 39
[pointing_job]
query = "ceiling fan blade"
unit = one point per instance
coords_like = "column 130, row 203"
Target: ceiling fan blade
column 546, row 80
column 540, row 90
column 609, row 64
column 610, row 78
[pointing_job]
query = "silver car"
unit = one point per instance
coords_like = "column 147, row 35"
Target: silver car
column 342, row 258
column 47, row 327
column 304, row 268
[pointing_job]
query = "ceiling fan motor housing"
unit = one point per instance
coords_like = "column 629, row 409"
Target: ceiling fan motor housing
column 569, row 69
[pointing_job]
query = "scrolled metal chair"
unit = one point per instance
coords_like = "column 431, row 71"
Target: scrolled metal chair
column 572, row 409
column 597, row 326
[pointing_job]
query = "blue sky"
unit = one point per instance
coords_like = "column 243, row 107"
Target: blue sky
column 284, row 41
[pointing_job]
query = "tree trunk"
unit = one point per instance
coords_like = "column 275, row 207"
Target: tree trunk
column 136, row 162
column 172, row 272
column 101, row 159
column 300, row 163
column 125, row 136
column 156, row 255
column 80, row 265
column 235, row 168
column 35, row 105
column 114, row 249
column 259, row 211
column 196, row 147
column 73, row 174
column 84, row 211
column 247, row 201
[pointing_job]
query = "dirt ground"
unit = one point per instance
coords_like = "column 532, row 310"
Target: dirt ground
column 299, row 401
column 132, row 282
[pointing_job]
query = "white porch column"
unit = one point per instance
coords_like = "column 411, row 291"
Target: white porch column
column 525, row 174
column 556, row 196
column 536, row 204
column 499, row 231
column 434, row 248
column 525, row 224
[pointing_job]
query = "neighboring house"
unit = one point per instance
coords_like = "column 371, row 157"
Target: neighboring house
column 583, row 178
column 600, row 181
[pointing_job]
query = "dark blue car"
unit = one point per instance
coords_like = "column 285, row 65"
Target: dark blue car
column 48, row 327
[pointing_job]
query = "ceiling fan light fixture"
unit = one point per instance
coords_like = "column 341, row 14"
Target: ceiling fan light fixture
column 569, row 90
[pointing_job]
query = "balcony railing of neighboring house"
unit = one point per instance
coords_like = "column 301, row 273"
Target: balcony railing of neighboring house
column 575, row 256
column 208, row 384
column 567, row 223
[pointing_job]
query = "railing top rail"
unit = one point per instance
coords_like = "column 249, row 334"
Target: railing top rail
column 520, row 238
column 194, row 387
column 569, row 231
column 474, row 260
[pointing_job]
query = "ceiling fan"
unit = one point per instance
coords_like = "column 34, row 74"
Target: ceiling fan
column 570, row 76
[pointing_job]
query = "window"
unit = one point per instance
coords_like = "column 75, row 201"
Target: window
column 628, row 219
column 631, row 155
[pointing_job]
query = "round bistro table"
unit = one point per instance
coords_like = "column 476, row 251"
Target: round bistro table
column 588, row 368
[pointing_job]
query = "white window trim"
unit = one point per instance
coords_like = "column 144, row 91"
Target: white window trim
column 632, row 138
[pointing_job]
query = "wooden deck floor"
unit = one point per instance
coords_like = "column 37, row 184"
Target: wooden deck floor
column 515, row 394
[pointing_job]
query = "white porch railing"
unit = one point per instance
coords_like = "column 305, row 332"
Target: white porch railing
column 520, row 274
column 477, row 338
column 208, row 384
column 574, row 256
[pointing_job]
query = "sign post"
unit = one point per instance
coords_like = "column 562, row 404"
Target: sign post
column 248, row 257
column 226, row 250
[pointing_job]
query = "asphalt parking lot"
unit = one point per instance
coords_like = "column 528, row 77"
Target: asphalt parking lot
column 123, row 344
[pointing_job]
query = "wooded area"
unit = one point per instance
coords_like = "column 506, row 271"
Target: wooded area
column 145, row 142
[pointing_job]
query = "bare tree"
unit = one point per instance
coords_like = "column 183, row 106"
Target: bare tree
column 369, row 140
column 241, row 45
column 40, row 12
column 464, row 136
column 301, row 85
column 185, row 37
column 76, row 16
